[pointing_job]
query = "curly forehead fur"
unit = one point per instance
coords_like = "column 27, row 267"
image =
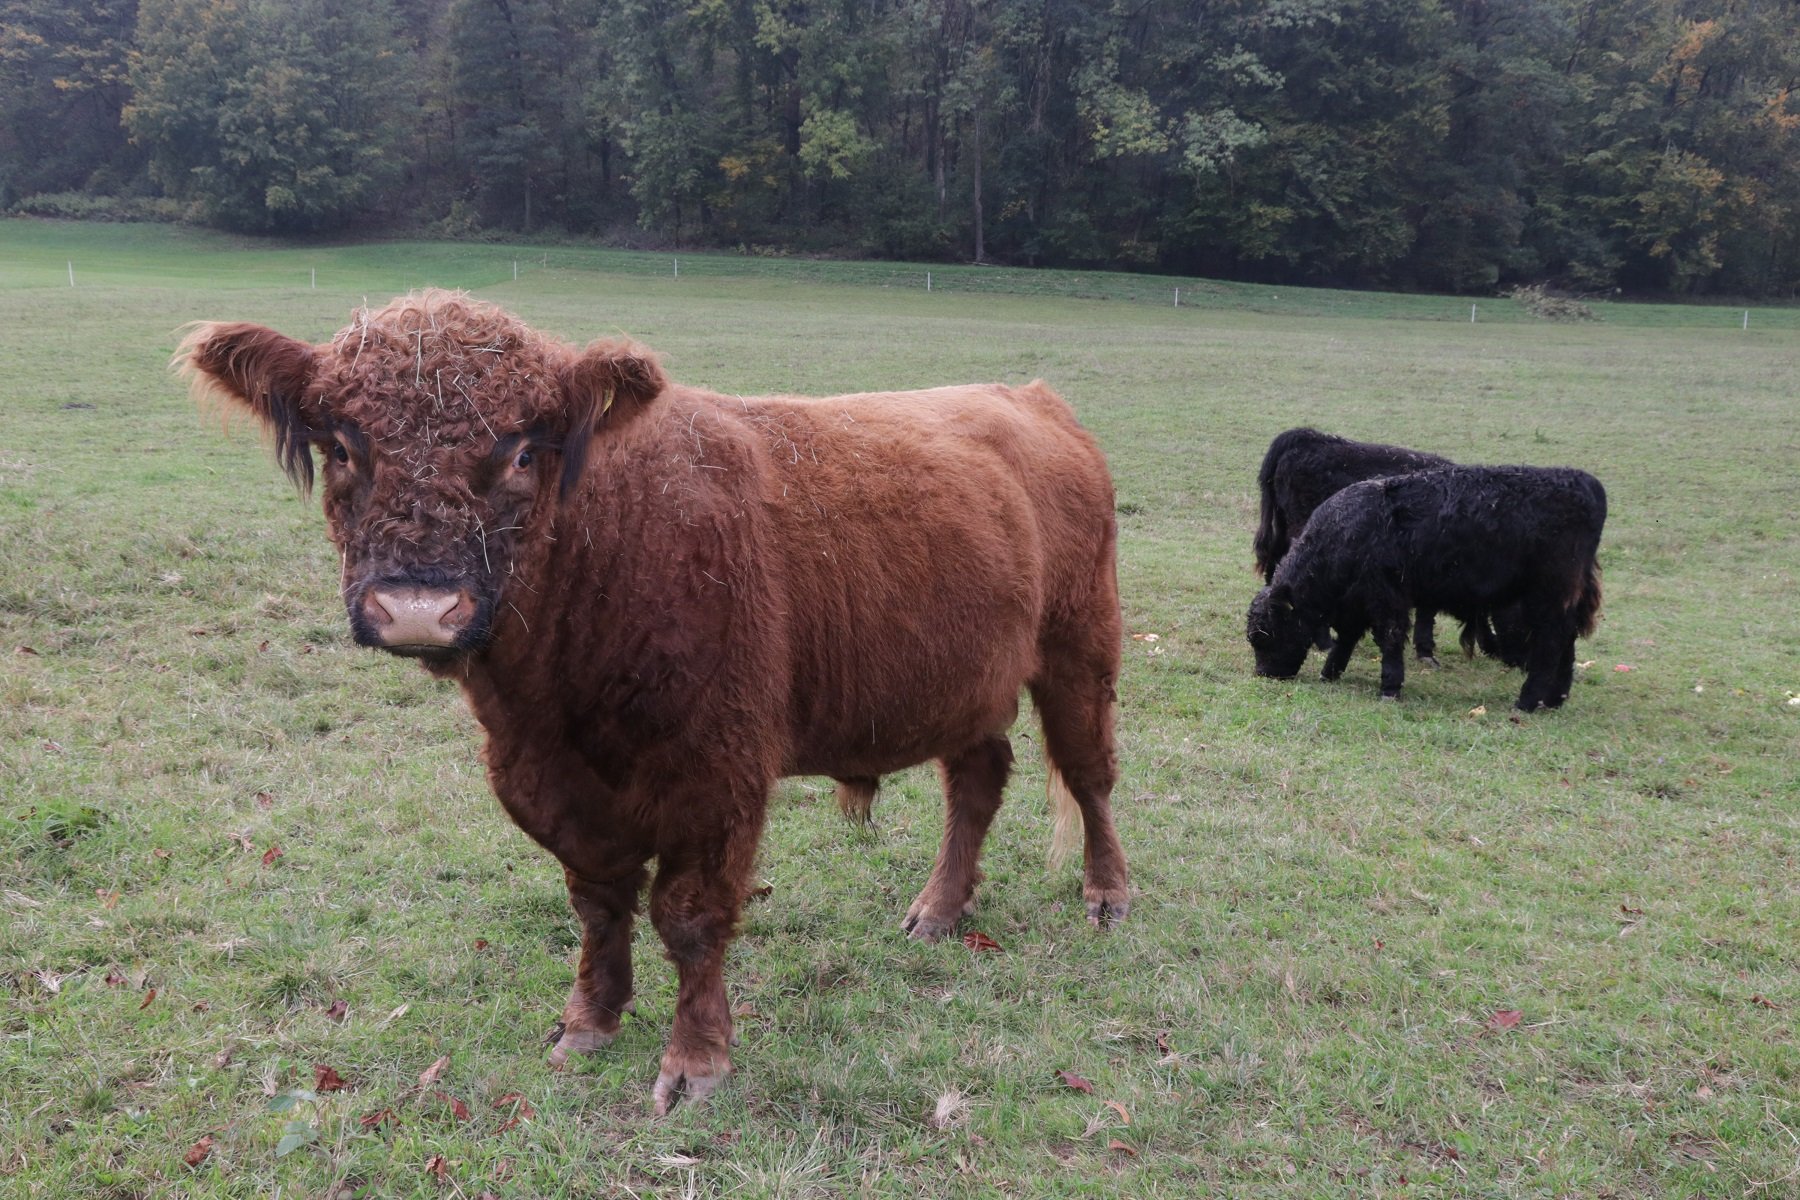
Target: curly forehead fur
column 435, row 369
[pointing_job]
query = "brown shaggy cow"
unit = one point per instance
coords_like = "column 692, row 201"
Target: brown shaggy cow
column 658, row 600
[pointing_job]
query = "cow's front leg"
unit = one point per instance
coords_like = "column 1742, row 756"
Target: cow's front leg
column 1425, row 636
column 602, row 990
column 694, row 905
column 1349, row 634
column 1390, row 635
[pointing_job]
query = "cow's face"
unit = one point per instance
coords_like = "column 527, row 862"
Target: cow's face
column 442, row 427
column 1279, row 635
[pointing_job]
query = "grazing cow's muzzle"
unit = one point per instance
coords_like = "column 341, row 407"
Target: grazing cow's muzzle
column 414, row 621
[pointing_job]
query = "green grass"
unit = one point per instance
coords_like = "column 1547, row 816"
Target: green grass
column 1334, row 896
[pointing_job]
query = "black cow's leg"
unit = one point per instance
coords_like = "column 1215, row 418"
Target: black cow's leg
column 1390, row 635
column 973, row 782
column 1565, row 675
column 602, row 990
column 694, row 901
column 1339, row 658
column 1547, row 644
column 1322, row 638
column 1425, row 636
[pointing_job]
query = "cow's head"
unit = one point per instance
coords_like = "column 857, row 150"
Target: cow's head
column 441, row 426
column 1279, row 634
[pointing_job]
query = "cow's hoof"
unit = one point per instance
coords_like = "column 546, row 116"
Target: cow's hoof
column 1394, row 696
column 1108, row 910
column 691, row 1083
column 1429, row 660
column 923, row 927
column 579, row 1041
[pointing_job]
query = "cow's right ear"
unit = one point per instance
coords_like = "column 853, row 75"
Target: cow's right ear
column 1281, row 595
column 605, row 387
column 260, row 372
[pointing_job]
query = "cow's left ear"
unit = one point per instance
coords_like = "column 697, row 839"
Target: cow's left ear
column 1282, row 596
column 605, row 387
column 261, row 372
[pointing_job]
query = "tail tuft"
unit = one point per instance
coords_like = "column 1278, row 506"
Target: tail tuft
column 1587, row 604
column 1065, row 815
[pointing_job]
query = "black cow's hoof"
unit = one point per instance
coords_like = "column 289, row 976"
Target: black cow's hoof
column 1394, row 696
column 1429, row 660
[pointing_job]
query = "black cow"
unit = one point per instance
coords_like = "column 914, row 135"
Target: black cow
column 1301, row 470
column 1461, row 540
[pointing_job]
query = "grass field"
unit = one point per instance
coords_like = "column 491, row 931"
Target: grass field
column 1377, row 950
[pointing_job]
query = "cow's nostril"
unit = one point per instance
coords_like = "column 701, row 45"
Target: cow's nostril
column 418, row 616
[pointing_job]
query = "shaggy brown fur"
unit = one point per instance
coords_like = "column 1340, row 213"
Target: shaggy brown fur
column 731, row 590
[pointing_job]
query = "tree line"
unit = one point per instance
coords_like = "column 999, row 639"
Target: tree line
column 1648, row 145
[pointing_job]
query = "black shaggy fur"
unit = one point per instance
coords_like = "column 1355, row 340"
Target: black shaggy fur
column 1301, row 470
column 1461, row 540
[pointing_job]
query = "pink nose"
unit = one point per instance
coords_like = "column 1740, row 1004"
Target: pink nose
column 417, row 616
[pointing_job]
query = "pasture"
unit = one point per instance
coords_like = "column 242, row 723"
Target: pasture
column 256, row 892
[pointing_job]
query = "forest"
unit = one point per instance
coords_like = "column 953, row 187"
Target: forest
column 1597, row 146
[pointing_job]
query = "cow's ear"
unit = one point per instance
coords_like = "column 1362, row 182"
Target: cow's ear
column 605, row 387
column 260, row 372
column 1281, row 595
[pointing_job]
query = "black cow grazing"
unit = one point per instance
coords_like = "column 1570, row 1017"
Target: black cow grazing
column 1301, row 470
column 1461, row 540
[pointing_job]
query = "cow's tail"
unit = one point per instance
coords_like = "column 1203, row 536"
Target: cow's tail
column 1065, row 819
column 1271, row 526
column 1586, row 609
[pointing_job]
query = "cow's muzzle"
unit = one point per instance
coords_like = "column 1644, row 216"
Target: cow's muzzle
column 416, row 622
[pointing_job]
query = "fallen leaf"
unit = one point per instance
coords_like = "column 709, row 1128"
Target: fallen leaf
column 435, row 1165
column 271, row 854
column 148, row 997
column 1075, row 1081
column 744, row 1011
column 114, row 979
column 337, row 1010
column 1162, row 1039
column 243, row 841
column 262, row 647
column 222, row 1059
column 521, row 1112
column 456, row 1106
column 1120, row 1109
column 203, row 1006
column 1480, row 710
column 1762, row 1001
column 1703, row 1092
column 196, row 1153
column 1505, row 1018
column 481, row 944
column 980, row 942
column 1116, row 1144
column 107, row 899
column 1585, row 665
column 378, row 1118
column 159, row 852
column 264, row 800
column 26, row 650
column 1630, row 911
column 430, row 1074
column 326, row 1079
column 1624, row 667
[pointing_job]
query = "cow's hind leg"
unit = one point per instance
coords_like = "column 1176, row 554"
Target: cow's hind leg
column 1075, row 701
column 1390, row 635
column 694, row 905
column 973, row 782
column 602, row 990
column 1339, row 658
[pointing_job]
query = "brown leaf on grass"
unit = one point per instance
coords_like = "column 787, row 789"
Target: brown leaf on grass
column 1116, row 1144
column 1630, row 911
column 1075, row 1081
column 481, row 944
column 326, row 1079
column 196, row 1153
column 243, row 841
column 262, row 647
column 114, row 979
column 108, row 899
column 503, row 1168
column 159, row 852
column 522, row 1110
column 761, row 893
column 1505, row 1018
column 378, row 1118
column 271, row 854
column 430, row 1074
column 337, row 1010
column 745, row 1011
column 1762, row 1001
column 435, row 1165
column 148, row 997
column 1162, row 1043
column 981, row 942
column 1120, row 1109
column 264, row 800
column 222, row 1059
column 203, row 1006
column 456, row 1106
column 26, row 650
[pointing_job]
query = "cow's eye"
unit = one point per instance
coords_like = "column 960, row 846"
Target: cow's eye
column 523, row 460
column 338, row 452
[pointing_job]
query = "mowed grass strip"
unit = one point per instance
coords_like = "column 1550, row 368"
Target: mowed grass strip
column 1376, row 948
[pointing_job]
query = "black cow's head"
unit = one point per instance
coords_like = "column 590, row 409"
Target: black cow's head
column 1279, row 635
column 441, row 425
